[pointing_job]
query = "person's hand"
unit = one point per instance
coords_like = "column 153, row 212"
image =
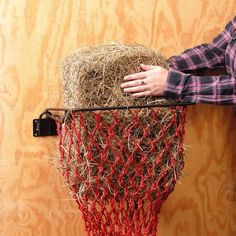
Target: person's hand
column 149, row 82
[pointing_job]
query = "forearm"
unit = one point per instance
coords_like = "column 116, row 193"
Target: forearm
column 204, row 89
column 206, row 55
column 202, row 56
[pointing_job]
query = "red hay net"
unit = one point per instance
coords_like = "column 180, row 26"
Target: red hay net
column 120, row 173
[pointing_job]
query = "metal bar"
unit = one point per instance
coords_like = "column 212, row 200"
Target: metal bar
column 47, row 126
column 118, row 107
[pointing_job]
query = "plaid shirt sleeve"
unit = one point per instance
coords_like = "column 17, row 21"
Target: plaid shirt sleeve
column 203, row 89
column 200, row 89
column 205, row 55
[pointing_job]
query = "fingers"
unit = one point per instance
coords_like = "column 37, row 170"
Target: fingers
column 136, row 89
column 135, row 76
column 139, row 75
column 149, row 82
column 133, row 83
column 147, row 67
column 142, row 94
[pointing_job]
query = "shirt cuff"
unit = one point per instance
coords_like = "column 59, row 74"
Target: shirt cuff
column 174, row 85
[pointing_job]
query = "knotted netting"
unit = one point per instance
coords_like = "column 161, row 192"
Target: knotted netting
column 120, row 164
column 119, row 172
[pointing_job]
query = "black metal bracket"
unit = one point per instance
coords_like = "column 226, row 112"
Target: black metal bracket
column 44, row 126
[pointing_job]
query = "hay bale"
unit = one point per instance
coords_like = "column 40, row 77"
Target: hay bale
column 92, row 75
column 91, row 78
column 120, row 164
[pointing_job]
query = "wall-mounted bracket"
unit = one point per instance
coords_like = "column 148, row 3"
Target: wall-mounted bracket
column 44, row 126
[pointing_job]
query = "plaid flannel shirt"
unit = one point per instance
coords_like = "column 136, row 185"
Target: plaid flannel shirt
column 205, row 89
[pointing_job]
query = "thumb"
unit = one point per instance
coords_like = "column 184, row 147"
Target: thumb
column 147, row 67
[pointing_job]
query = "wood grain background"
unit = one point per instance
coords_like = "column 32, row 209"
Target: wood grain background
column 35, row 35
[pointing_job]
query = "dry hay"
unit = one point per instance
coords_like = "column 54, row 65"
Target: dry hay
column 91, row 78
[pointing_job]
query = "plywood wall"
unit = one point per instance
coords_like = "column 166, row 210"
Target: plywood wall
column 35, row 35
